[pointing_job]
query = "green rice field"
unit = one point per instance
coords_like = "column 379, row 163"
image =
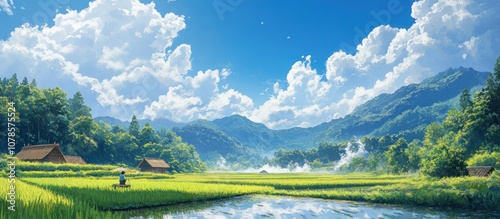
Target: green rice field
column 87, row 196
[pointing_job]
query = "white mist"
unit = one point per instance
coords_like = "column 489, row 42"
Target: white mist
column 350, row 154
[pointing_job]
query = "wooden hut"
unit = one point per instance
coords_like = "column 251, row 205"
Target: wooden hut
column 153, row 165
column 263, row 171
column 74, row 159
column 483, row 171
column 42, row 153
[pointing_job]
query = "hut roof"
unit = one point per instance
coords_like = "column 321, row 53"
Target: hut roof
column 155, row 162
column 263, row 171
column 480, row 170
column 37, row 152
column 74, row 159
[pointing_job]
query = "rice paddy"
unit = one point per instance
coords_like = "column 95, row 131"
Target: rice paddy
column 143, row 192
column 34, row 202
column 94, row 197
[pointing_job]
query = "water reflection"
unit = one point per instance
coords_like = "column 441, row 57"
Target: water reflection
column 290, row 207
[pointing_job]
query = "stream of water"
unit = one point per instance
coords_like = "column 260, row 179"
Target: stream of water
column 291, row 207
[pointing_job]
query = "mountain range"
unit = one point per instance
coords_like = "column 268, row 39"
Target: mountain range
column 405, row 113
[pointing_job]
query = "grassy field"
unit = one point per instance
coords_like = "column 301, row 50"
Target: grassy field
column 92, row 197
column 35, row 202
column 476, row 193
column 143, row 192
column 296, row 181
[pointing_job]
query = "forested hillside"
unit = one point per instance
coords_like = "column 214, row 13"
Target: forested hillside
column 214, row 146
column 47, row 116
column 408, row 110
column 468, row 136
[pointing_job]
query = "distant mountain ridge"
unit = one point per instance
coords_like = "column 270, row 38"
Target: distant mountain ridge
column 406, row 112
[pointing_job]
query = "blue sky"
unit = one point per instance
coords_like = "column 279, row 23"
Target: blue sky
column 260, row 40
column 294, row 64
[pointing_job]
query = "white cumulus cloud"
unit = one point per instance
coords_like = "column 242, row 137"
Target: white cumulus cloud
column 305, row 100
column 199, row 97
column 445, row 34
column 7, row 6
column 98, row 48
column 120, row 54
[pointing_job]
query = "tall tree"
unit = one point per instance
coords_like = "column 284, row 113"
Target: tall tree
column 433, row 133
column 134, row 128
column 147, row 135
column 25, row 81
column 465, row 100
column 14, row 79
column 77, row 106
column 82, row 136
column 445, row 159
column 454, row 121
column 125, row 146
column 413, row 155
column 28, row 95
column 397, row 159
column 496, row 69
column 11, row 87
column 57, row 121
column 105, row 151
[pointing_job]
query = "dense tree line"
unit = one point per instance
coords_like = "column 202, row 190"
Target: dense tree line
column 467, row 135
column 47, row 116
column 326, row 154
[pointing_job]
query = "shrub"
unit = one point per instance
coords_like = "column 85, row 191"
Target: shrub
column 36, row 166
column 485, row 159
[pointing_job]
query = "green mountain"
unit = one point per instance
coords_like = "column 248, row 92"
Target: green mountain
column 409, row 109
column 112, row 121
column 405, row 113
column 211, row 144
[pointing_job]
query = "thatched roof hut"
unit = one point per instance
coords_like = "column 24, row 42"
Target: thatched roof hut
column 74, row 159
column 263, row 171
column 156, row 165
column 42, row 153
column 483, row 171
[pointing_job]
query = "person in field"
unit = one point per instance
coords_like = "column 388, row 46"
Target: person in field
column 122, row 178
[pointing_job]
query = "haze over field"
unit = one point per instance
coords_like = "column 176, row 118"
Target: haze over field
column 185, row 60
